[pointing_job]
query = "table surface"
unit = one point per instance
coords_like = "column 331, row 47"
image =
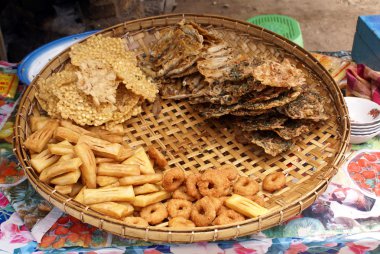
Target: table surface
column 27, row 219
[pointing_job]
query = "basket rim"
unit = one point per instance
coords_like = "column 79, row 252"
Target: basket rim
column 298, row 203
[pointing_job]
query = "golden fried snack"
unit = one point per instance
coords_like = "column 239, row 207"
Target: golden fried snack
column 141, row 158
column 77, row 187
column 274, row 182
column 69, row 125
column 172, row 179
column 39, row 139
column 257, row 199
column 64, row 189
column 99, row 160
column 117, row 184
column 128, row 206
column 88, row 167
column 213, row 184
column 59, row 168
column 141, row 179
column 79, row 197
column 191, row 185
column 106, row 180
column 246, row 186
column 228, row 217
column 245, row 206
column 151, row 198
column 154, row 213
column 106, row 149
column 180, row 222
column 38, row 122
column 181, row 193
column 230, row 171
column 63, row 133
column 145, row 189
column 43, row 160
column 112, row 209
column 61, row 148
column 179, row 208
column 122, row 193
column 66, row 157
column 157, row 156
column 66, row 179
column 203, row 212
column 136, row 221
column 118, row 170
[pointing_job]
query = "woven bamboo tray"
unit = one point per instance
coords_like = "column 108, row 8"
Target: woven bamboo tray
column 194, row 144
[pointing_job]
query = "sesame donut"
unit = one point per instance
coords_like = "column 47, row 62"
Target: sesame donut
column 229, row 171
column 228, row 216
column 274, row 182
column 136, row 221
column 154, row 214
column 246, row 186
column 181, row 193
column 191, row 185
column 212, row 184
column 172, row 179
column 203, row 212
column 180, row 222
column 179, row 208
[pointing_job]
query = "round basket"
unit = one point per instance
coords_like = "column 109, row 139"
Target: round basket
column 192, row 143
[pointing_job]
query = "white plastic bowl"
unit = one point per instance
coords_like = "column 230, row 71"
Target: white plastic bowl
column 358, row 139
column 359, row 111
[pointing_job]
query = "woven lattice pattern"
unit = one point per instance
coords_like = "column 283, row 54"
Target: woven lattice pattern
column 192, row 143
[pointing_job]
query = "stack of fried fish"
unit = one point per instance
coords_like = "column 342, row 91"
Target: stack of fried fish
column 267, row 102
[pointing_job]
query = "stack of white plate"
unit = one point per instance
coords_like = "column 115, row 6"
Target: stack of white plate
column 365, row 119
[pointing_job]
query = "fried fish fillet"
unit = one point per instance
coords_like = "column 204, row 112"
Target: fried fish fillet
column 293, row 129
column 270, row 142
column 215, row 110
column 262, row 122
column 282, row 74
column 309, row 105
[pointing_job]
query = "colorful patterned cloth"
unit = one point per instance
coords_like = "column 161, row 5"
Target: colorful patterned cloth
column 364, row 82
column 325, row 227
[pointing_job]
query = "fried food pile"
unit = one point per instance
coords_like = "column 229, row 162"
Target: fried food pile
column 101, row 85
column 97, row 168
column 269, row 103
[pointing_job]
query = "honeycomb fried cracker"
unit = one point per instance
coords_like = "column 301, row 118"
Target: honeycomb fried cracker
column 123, row 62
column 96, row 78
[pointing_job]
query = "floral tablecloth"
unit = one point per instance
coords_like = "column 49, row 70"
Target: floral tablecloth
column 345, row 219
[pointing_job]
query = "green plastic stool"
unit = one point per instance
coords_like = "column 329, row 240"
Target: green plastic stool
column 283, row 25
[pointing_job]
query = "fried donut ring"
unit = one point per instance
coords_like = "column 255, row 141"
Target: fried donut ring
column 181, row 193
column 180, row 222
column 191, row 185
column 246, row 186
column 227, row 217
column 257, row 199
column 274, row 182
column 172, row 179
column 217, row 202
column 222, row 210
column 229, row 171
column 203, row 212
column 179, row 208
column 136, row 221
column 212, row 184
column 154, row 213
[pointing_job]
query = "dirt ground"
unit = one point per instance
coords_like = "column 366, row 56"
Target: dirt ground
column 327, row 25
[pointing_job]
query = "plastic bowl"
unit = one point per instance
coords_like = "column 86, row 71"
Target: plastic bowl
column 358, row 139
column 359, row 110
